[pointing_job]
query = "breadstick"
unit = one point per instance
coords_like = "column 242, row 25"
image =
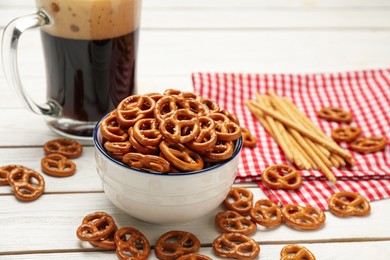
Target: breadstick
column 337, row 161
column 288, row 113
column 273, row 129
column 287, row 122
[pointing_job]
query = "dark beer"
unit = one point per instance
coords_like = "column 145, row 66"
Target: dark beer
column 88, row 78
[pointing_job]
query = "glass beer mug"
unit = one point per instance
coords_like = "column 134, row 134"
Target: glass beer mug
column 90, row 50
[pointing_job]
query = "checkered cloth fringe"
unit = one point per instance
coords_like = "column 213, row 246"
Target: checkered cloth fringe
column 366, row 94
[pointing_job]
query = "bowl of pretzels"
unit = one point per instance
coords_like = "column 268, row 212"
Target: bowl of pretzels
column 167, row 158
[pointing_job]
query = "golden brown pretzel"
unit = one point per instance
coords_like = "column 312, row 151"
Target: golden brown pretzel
column 21, row 179
column 296, row 252
column 368, row 144
column 147, row 162
column 221, row 151
column 118, row 147
column 57, row 165
column 346, row 203
column 174, row 244
column 232, row 222
column 345, row 133
column 226, row 129
column 300, row 217
column 266, row 213
column 111, row 129
column 4, row 173
column 247, row 138
column 194, row 257
column 181, row 157
column 231, row 116
column 139, row 147
column 281, row 177
column 95, row 226
column 195, row 106
column 134, row 108
column 131, row 244
column 146, row 132
column 181, row 127
column 167, row 105
column 335, row 114
column 106, row 242
column 210, row 105
column 235, row 245
column 239, row 200
column 207, row 136
column 63, row 146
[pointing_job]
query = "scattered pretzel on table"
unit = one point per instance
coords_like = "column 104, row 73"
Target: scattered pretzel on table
column 131, row 244
column 235, row 245
column 21, row 179
column 96, row 226
column 305, row 218
column 368, row 144
column 4, row 173
column 346, row 203
column 335, row 114
column 176, row 243
column 106, row 242
column 232, row 222
column 66, row 147
column 57, row 165
column 345, row 133
column 266, row 213
column 297, row 252
column 248, row 139
column 239, row 200
column 281, row 176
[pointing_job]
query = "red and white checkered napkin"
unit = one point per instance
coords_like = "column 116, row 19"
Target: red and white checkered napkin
column 364, row 93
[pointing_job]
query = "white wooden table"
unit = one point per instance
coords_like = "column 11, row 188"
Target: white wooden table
column 179, row 37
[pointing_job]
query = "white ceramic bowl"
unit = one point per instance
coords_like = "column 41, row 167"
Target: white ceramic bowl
column 164, row 198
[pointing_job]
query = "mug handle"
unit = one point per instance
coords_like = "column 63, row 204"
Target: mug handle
column 11, row 36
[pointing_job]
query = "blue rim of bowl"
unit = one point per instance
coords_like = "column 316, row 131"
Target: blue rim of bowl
column 237, row 149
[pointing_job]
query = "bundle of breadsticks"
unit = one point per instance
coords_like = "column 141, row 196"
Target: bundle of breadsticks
column 302, row 142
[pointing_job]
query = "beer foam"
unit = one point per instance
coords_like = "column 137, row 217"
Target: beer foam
column 91, row 19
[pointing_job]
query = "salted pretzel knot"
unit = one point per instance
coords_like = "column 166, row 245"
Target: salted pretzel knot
column 345, row 133
column 335, row 114
column 239, row 200
column 247, row 138
column 207, row 136
column 266, row 213
column 174, row 244
column 147, row 162
column 5, row 171
column 134, row 108
column 21, row 179
column 346, row 203
column 222, row 150
column 181, row 157
column 167, row 105
column 235, row 245
column 296, row 252
column 300, row 217
column 231, row 221
column 368, row 144
column 57, row 165
column 131, row 244
column 111, row 129
column 95, row 226
column 281, row 176
column 226, row 129
column 146, row 132
column 182, row 127
column 63, row 146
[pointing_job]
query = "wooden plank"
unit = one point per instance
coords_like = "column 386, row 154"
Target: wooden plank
column 234, row 3
column 171, row 53
column 260, row 18
column 355, row 250
column 53, row 226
